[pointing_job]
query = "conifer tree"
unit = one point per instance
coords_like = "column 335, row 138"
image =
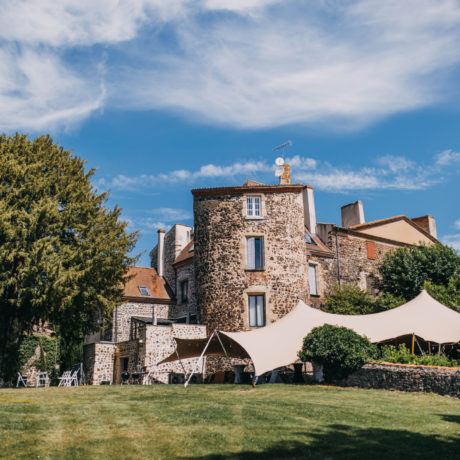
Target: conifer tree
column 63, row 254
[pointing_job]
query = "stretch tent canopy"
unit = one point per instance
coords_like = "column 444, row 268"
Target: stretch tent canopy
column 277, row 345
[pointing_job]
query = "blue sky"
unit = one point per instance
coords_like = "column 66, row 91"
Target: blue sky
column 165, row 96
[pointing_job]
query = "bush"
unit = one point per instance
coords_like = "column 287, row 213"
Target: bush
column 402, row 355
column 340, row 350
column 351, row 300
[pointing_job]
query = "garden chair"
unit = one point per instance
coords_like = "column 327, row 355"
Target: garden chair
column 64, row 379
column 73, row 379
column 42, row 379
column 22, row 380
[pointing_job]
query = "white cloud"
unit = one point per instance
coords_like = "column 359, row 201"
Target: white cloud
column 38, row 91
column 171, row 214
column 457, row 224
column 245, row 63
column 452, row 240
column 447, row 157
column 391, row 173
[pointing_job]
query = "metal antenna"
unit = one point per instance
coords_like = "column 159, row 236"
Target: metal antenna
column 282, row 147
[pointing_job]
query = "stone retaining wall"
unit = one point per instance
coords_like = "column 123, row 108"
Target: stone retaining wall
column 404, row 377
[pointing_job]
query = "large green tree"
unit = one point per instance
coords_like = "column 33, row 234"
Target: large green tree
column 63, row 254
column 405, row 271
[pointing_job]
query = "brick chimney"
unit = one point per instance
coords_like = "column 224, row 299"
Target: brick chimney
column 427, row 223
column 352, row 214
column 285, row 178
column 160, row 252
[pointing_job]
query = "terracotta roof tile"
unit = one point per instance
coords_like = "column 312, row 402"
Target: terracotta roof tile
column 185, row 254
column 148, row 277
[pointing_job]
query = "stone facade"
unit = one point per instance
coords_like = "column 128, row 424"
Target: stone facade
column 223, row 281
column 404, row 377
column 353, row 256
column 98, row 362
column 154, row 344
column 174, row 241
column 187, row 310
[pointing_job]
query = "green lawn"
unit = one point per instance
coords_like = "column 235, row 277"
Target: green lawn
column 226, row 421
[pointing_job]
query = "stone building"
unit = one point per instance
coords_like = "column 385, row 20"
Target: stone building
column 255, row 250
column 141, row 333
column 258, row 249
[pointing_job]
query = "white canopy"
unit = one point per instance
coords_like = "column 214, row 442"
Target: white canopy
column 277, row 345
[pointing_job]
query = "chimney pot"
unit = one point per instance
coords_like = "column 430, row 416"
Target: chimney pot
column 160, row 252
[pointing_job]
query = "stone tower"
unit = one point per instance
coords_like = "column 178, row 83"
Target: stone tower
column 250, row 254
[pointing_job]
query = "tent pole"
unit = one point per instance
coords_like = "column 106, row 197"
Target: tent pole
column 197, row 367
column 221, row 344
column 413, row 343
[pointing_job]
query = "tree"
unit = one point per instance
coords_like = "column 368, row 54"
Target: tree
column 63, row 255
column 404, row 271
column 351, row 300
column 448, row 295
column 340, row 350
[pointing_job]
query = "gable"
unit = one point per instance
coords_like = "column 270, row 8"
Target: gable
column 398, row 230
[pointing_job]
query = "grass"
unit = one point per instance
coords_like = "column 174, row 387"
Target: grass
column 226, row 422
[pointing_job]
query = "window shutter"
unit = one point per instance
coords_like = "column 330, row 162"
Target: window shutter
column 312, row 279
column 370, row 250
column 251, row 253
column 260, row 311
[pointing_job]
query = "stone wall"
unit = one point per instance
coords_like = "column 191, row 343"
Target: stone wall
column 185, row 272
column 355, row 265
column 174, row 241
column 156, row 343
column 222, row 280
column 404, row 377
column 98, row 361
column 123, row 313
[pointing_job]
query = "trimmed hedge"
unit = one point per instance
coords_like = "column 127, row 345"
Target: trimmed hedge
column 340, row 350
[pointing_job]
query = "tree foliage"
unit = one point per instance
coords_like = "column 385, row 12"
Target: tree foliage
column 63, row 254
column 340, row 350
column 351, row 300
column 448, row 295
column 404, row 271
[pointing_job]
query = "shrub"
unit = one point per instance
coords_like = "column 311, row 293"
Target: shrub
column 402, row 355
column 340, row 350
column 351, row 300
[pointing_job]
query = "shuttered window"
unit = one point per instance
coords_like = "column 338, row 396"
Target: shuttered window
column 312, row 279
column 255, row 252
column 256, row 310
column 370, row 250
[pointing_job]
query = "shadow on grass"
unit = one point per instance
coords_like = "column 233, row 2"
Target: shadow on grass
column 340, row 441
column 451, row 418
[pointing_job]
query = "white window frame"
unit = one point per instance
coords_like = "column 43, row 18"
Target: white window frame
column 256, row 310
column 254, row 206
column 252, row 261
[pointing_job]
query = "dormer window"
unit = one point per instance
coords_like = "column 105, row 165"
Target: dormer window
column 253, row 206
column 144, row 291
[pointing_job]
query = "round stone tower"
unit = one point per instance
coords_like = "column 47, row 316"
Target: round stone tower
column 250, row 254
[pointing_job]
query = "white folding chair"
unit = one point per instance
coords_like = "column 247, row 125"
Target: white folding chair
column 64, row 379
column 22, row 379
column 42, row 379
column 74, row 379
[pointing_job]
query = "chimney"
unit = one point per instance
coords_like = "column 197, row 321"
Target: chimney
column 427, row 223
column 285, row 178
column 352, row 214
column 160, row 252
column 309, row 213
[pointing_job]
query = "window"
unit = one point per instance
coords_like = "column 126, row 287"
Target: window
column 255, row 252
column 144, row 291
column 370, row 250
column 257, row 310
column 312, row 279
column 253, row 208
column 184, row 291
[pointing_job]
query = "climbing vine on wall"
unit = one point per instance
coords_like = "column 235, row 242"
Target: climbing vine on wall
column 48, row 352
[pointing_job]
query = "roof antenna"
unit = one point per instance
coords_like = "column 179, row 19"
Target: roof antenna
column 283, row 171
